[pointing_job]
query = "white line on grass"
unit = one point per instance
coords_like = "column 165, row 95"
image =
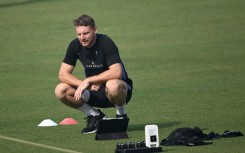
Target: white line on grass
column 38, row 145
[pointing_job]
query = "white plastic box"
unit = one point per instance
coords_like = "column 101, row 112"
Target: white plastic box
column 151, row 136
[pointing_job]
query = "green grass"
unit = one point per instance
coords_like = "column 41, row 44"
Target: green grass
column 186, row 59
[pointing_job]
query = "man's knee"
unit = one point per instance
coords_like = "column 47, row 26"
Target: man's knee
column 60, row 90
column 115, row 87
column 116, row 92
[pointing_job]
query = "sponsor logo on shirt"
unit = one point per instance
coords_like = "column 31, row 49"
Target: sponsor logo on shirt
column 93, row 65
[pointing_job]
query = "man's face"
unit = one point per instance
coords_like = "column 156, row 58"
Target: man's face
column 86, row 35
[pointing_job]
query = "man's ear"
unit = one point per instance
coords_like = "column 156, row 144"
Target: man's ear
column 95, row 29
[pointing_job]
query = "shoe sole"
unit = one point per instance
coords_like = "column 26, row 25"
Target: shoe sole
column 89, row 132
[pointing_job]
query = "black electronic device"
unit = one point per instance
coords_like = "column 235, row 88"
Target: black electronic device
column 137, row 147
column 112, row 129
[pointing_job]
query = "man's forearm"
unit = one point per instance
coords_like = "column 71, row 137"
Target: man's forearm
column 70, row 79
column 114, row 73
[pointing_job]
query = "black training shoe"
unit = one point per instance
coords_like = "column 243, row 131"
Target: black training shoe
column 93, row 123
column 121, row 116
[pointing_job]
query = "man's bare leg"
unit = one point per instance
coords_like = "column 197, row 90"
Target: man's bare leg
column 117, row 93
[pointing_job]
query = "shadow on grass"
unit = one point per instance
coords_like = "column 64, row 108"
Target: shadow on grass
column 20, row 3
column 166, row 150
column 141, row 127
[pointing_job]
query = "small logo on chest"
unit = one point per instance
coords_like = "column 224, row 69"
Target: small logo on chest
column 93, row 65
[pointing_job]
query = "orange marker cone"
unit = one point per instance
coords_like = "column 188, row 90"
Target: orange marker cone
column 68, row 121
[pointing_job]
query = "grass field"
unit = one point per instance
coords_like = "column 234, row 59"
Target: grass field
column 187, row 60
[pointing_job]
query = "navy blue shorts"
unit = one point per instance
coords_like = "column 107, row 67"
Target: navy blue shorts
column 100, row 100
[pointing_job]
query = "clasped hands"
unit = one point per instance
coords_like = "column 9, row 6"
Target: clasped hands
column 85, row 85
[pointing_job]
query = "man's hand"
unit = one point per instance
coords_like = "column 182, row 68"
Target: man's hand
column 94, row 87
column 84, row 85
